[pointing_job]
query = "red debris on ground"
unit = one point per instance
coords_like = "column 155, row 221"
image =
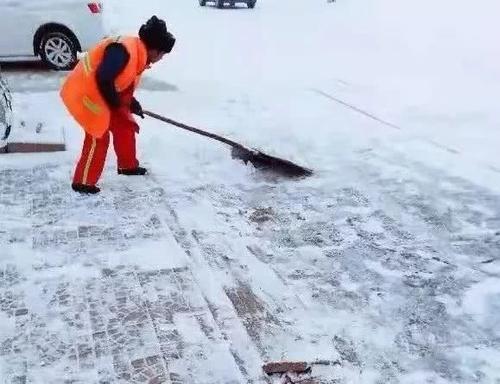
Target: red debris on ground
column 286, row 366
column 32, row 148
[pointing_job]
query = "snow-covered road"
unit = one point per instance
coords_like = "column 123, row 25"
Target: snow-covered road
column 385, row 264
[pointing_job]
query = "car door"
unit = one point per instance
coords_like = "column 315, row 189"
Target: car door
column 16, row 28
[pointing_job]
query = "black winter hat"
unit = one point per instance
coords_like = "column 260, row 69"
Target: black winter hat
column 156, row 36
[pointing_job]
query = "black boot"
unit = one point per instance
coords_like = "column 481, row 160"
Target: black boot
column 139, row 171
column 87, row 189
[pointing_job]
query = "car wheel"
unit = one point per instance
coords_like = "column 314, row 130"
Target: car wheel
column 58, row 51
column 203, row 2
column 220, row 3
column 251, row 4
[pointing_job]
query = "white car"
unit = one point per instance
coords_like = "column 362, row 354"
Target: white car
column 54, row 30
column 5, row 113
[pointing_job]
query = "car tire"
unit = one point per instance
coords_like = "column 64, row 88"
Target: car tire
column 251, row 4
column 58, row 51
column 203, row 2
column 220, row 3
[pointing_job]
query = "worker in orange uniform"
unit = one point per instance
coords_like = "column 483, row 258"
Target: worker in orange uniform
column 99, row 94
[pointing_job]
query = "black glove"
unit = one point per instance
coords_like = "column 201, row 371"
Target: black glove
column 136, row 108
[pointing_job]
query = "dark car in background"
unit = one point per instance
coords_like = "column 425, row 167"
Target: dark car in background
column 232, row 3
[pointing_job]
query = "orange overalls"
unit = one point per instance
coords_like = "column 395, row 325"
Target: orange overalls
column 91, row 164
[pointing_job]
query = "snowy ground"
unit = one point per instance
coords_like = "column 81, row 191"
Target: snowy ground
column 385, row 264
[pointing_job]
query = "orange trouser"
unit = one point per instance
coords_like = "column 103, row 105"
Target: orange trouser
column 91, row 163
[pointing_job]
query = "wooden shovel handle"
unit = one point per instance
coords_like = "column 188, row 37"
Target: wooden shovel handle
column 193, row 129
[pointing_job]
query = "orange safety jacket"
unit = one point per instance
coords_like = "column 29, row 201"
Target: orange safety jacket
column 81, row 94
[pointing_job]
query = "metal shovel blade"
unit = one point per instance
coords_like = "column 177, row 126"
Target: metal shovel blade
column 263, row 161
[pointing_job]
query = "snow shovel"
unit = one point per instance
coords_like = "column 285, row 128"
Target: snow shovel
column 259, row 159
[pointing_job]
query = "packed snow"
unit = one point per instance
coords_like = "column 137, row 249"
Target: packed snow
column 383, row 267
